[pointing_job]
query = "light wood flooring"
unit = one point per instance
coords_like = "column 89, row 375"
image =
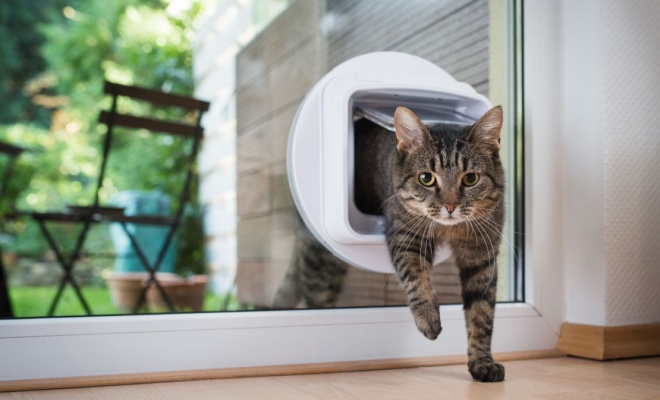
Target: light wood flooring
column 555, row 378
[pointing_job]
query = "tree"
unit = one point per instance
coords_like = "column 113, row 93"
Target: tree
column 78, row 45
column 21, row 59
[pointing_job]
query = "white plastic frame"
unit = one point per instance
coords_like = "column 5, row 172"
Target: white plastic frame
column 66, row 347
column 320, row 152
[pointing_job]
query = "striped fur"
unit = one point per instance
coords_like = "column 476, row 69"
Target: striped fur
column 315, row 275
column 419, row 217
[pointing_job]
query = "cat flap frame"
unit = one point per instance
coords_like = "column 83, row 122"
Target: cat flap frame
column 320, row 158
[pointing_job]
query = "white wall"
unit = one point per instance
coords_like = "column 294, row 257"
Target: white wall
column 214, row 70
column 232, row 26
column 610, row 145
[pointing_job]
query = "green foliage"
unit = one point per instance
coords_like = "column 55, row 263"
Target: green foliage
column 192, row 244
column 129, row 42
column 126, row 41
column 74, row 46
column 56, row 169
column 21, row 61
column 33, row 301
column 53, row 170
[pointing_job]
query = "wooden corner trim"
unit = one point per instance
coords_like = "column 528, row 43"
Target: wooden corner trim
column 609, row 342
column 586, row 341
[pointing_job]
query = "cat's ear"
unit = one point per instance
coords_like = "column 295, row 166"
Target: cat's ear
column 487, row 130
column 410, row 131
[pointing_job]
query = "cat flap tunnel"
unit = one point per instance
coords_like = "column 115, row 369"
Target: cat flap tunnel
column 320, row 158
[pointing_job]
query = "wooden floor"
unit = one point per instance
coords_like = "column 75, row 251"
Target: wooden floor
column 556, row 378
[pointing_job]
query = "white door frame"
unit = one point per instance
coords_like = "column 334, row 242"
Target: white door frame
column 68, row 347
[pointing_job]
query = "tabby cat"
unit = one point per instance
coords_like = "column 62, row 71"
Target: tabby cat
column 435, row 184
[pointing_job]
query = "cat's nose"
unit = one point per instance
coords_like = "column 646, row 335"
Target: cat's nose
column 450, row 207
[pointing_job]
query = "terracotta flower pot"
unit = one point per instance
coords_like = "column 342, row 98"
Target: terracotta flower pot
column 184, row 293
column 125, row 288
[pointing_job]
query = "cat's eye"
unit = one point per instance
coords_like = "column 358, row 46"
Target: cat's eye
column 470, row 179
column 426, row 178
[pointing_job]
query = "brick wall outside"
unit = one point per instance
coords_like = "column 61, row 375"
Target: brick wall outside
column 273, row 74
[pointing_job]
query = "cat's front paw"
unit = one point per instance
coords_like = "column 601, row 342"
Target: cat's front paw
column 487, row 371
column 427, row 319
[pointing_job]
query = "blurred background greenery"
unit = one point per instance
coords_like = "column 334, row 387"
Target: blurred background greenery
column 54, row 58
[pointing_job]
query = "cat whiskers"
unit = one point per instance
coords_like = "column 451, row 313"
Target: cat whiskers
column 420, row 220
column 388, row 240
column 494, row 228
column 490, row 220
column 497, row 230
column 426, row 241
column 469, row 228
column 489, row 251
column 388, row 199
column 409, row 236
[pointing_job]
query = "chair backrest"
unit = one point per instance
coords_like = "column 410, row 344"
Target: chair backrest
column 113, row 118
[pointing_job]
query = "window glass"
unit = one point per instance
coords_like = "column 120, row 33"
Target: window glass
column 254, row 61
column 273, row 73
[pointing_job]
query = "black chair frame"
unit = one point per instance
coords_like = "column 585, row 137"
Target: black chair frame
column 12, row 152
column 97, row 213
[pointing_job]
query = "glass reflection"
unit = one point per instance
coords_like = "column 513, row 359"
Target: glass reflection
column 254, row 61
column 273, row 74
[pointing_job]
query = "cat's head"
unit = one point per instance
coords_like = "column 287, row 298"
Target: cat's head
column 449, row 173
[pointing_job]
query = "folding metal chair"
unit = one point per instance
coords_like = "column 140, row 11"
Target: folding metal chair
column 98, row 213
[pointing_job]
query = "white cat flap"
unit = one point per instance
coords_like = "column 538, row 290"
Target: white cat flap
column 320, row 157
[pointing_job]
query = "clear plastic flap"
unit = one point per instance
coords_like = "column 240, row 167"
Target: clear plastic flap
column 380, row 108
